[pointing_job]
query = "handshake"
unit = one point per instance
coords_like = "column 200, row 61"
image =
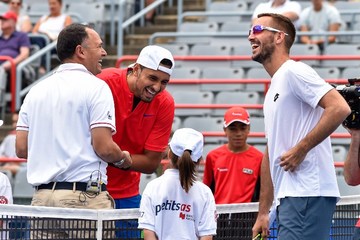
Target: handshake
column 125, row 163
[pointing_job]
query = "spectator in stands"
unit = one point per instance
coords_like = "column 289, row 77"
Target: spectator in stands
column 62, row 163
column 23, row 20
column 7, row 148
column 288, row 8
column 352, row 169
column 13, row 43
column 50, row 24
column 194, row 214
column 232, row 171
column 301, row 111
column 320, row 17
column 144, row 115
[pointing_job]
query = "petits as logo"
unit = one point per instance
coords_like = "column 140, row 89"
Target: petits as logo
column 182, row 215
column 171, row 205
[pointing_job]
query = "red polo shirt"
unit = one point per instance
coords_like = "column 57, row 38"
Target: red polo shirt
column 147, row 127
column 234, row 174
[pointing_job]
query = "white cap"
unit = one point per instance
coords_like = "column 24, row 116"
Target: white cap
column 187, row 139
column 151, row 56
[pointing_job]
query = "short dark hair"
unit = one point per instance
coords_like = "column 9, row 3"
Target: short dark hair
column 284, row 24
column 70, row 37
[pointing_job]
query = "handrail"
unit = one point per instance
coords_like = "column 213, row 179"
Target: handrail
column 232, row 58
column 12, row 79
column 243, row 34
column 245, row 13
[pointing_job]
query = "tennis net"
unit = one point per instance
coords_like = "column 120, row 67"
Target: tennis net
column 235, row 222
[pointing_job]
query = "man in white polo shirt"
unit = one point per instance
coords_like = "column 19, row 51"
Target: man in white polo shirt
column 65, row 130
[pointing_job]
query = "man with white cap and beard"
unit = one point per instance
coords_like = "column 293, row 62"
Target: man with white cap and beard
column 144, row 113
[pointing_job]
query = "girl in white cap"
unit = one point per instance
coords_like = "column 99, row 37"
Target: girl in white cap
column 176, row 205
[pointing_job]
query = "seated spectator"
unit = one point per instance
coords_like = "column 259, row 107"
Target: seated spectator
column 319, row 17
column 7, row 148
column 13, row 43
column 23, row 21
column 290, row 9
column 50, row 25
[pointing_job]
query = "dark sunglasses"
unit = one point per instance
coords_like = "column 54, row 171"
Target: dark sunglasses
column 259, row 28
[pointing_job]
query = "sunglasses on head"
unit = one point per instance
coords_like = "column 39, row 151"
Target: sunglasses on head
column 259, row 28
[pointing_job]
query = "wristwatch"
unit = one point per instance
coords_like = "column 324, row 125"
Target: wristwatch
column 119, row 163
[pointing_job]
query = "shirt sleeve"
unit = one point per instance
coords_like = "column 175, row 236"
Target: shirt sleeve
column 207, row 223
column 308, row 85
column 147, row 214
column 102, row 110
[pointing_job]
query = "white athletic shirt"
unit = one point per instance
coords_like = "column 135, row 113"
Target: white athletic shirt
column 59, row 113
column 291, row 110
column 172, row 213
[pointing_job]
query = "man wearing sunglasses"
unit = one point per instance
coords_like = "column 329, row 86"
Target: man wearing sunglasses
column 301, row 110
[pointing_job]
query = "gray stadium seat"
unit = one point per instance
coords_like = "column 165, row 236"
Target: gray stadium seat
column 299, row 49
column 257, row 125
column 209, row 147
column 92, row 13
column 257, row 73
column 328, row 72
column 184, row 73
column 229, row 6
column 341, row 141
column 192, row 97
column 350, row 72
column 260, row 147
column 196, row 27
column 206, row 124
column 347, row 5
column 243, row 49
column 230, row 27
column 339, row 153
column 239, row 97
column 346, row 190
column 177, row 49
column 145, row 179
column 342, row 49
column 23, row 191
column 176, row 124
column 222, row 73
column 209, row 50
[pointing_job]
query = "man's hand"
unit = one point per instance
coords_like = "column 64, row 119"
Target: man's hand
column 261, row 226
column 291, row 159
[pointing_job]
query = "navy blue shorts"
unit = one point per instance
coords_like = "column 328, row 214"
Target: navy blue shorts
column 131, row 226
column 305, row 218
